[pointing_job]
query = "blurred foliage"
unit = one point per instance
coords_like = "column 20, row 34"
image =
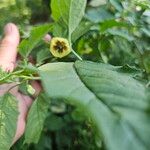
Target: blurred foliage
column 23, row 12
column 119, row 34
column 14, row 11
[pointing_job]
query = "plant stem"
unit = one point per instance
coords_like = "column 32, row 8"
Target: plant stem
column 76, row 55
column 30, row 78
column 69, row 38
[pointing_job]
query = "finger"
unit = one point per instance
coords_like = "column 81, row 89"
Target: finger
column 37, row 86
column 47, row 38
column 12, row 88
column 24, row 104
column 8, row 47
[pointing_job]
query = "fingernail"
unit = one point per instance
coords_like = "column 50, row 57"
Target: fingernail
column 8, row 28
column 47, row 38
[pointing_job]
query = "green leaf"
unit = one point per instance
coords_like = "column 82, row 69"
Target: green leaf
column 117, row 103
column 146, row 31
column 37, row 33
column 59, row 29
column 83, row 28
column 43, row 55
column 116, row 4
column 71, row 11
column 110, row 24
column 60, row 10
column 8, row 120
column 145, row 4
column 76, row 13
column 4, row 76
column 122, row 33
column 54, row 123
column 35, row 121
column 98, row 14
column 146, row 61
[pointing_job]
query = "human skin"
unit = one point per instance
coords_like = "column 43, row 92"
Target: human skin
column 8, row 54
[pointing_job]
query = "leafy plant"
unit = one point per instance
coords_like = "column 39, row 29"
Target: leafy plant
column 96, row 97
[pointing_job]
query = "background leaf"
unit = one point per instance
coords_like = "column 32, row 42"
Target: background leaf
column 83, row 28
column 99, row 14
column 121, row 33
column 116, row 4
column 37, row 33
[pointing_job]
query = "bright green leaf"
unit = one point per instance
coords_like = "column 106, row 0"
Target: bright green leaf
column 36, row 35
column 77, row 9
column 71, row 11
column 60, row 10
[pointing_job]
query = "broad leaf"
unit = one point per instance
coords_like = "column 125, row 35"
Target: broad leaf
column 8, row 119
column 71, row 11
column 77, row 9
column 59, row 29
column 117, row 103
column 35, row 121
column 83, row 28
column 36, row 35
column 60, row 10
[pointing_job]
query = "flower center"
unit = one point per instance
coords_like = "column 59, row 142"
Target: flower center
column 60, row 46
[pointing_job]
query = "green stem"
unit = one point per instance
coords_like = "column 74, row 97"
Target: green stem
column 69, row 38
column 76, row 55
column 30, row 78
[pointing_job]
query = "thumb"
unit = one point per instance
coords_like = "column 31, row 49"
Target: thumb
column 8, row 47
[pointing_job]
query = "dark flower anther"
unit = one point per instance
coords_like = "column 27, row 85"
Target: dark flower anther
column 59, row 47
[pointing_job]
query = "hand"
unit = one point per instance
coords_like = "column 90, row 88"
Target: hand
column 8, row 53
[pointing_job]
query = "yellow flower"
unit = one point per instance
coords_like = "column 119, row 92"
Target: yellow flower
column 59, row 47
